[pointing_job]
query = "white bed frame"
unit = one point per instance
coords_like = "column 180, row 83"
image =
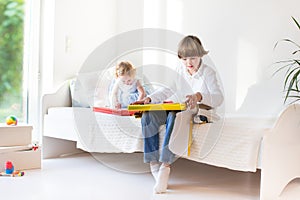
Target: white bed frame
column 280, row 153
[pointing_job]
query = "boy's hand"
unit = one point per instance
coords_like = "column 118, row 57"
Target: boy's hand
column 191, row 101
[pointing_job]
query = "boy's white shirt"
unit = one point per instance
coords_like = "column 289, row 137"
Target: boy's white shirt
column 204, row 81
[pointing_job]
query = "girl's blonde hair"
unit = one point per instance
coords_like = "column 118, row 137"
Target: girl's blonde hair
column 125, row 68
column 190, row 46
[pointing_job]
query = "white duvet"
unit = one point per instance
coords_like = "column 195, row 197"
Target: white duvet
column 236, row 146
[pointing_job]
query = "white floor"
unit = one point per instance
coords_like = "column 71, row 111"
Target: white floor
column 124, row 176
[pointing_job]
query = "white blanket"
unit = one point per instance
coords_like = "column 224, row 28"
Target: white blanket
column 112, row 134
column 236, row 147
column 229, row 142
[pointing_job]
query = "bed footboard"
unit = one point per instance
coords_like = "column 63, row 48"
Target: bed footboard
column 54, row 147
column 281, row 154
column 60, row 98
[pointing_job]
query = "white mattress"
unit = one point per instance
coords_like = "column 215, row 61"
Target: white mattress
column 237, row 147
column 59, row 123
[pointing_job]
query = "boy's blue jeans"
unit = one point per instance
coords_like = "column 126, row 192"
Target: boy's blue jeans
column 151, row 121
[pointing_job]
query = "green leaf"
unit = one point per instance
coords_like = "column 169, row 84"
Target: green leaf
column 11, row 48
column 290, row 80
column 297, row 98
column 292, row 67
column 12, row 5
column 296, row 22
column 290, row 41
column 297, row 51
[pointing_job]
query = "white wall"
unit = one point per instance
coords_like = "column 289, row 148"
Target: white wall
column 80, row 26
column 239, row 34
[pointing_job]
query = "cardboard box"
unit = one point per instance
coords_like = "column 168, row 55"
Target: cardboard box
column 15, row 148
column 27, row 159
column 15, row 135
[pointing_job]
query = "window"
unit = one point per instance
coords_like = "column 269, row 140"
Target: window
column 19, row 61
column 12, row 100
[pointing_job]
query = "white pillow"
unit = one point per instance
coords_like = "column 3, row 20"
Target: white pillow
column 104, row 85
column 83, row 89
column 93, row 88
column 77, row 101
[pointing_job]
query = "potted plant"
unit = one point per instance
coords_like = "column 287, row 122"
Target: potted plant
column 292, row 67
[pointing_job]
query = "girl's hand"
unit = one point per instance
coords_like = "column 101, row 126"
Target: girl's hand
column 146, row 100
column 118, row 106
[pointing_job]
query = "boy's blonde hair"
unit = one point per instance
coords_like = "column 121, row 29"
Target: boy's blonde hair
column 125, row 68
column 190, row 46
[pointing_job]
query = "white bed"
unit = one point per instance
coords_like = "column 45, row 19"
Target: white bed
column 236, row 147
column 245, row 144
